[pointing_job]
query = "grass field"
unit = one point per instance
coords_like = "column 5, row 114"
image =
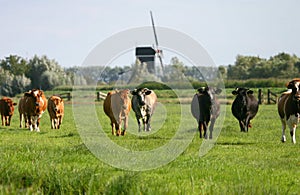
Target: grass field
column 58, row 162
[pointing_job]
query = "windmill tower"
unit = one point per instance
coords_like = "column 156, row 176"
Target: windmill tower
column 148, row 54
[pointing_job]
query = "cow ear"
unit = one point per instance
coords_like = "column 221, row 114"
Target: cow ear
column 234, row 92
column 290, row 85
column 27, row 94
column 148, row 92
column 133, row 92
column 201, row 90
column 249, row 92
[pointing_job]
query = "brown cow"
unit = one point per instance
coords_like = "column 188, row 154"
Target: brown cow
column 56, row 111
column 289, row 109
column 34, row 106
column 21, row 109
column 7, row 110
column 116, row 106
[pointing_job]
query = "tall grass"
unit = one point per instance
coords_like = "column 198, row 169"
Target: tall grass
column 57, row 161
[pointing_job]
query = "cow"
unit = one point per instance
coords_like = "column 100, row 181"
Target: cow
column 117, row 106
column 22, row 114
column 56, row 111
column 6, row 110
column 205, row 108
column 244, row 107
column 143, row 104
column 289, row 108
column 35, row 104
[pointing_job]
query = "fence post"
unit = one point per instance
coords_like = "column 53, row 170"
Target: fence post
column 260, row 96
column 98, row 96
column 69, row 96
column 269, row 96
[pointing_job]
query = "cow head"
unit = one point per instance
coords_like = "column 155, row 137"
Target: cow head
column 124, row 98
column 140, row 94
column 242, row 91
column 9, row 104
column 36, row 97
column 57, row 101
column 294, row 85
column 209, row 91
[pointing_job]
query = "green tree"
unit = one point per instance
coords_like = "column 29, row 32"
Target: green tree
column 14, row 64
column 45, row 73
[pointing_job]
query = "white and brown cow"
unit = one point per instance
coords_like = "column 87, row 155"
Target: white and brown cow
column 35, row 104
column 143, row 104
column 56, row 111
column 117, row 106
column 289, row 108
column 205, row 108
column 6, row 110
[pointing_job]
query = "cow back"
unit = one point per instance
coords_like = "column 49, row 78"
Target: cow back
column 201, row 107
column 21, row 106
column 150, row 100
column 117, row 104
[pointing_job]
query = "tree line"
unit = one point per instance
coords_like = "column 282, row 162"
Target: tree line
column 18, row 74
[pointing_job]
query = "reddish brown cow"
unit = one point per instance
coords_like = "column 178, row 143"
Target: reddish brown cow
column 56, row 111
column 21, row 109
column 34, row 106
column 7, row 110
column 116, row 106
column 289, row 109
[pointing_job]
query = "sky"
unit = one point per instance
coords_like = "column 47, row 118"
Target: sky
column 68, row 30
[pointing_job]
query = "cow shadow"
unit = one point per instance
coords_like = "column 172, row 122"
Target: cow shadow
column 234, row 143
column 63, row 136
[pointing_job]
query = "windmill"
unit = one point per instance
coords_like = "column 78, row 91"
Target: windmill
column 148, row 54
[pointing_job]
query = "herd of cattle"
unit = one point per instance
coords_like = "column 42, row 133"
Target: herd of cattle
column 31, row 107
column 205, row 108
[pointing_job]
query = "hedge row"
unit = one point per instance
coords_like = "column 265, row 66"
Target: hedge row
column 251, row 83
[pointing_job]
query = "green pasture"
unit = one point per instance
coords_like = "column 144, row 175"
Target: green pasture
column 59, row 162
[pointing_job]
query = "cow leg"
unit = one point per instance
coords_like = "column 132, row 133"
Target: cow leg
column 148, row 120
column 51, row 122
column 113, row 128
column 3, row 119
column 30, row 123
column 200, row 125
column 9, row 120
column 205, row 129
column 242, row 126
column 211, row 127
column 139, row 124
column 144, row 123
column 125, row 126
column 37, row 124
column 21, row 119
column 283, row 138
column 118, row 129
column 293, row 133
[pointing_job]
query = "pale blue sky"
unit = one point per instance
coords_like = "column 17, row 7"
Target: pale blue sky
column 68, row 30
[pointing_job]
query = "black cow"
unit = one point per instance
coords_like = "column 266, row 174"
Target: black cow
column 206, row 108
column 244, row 107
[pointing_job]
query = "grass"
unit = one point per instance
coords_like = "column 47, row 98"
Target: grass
column 58, row 162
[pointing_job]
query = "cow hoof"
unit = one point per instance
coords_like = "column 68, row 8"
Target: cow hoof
column 123, row 133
